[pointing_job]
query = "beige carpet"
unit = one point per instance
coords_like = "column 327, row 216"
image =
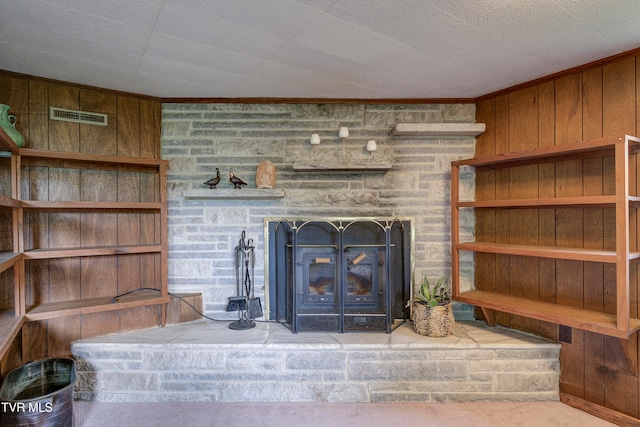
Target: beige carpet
column 96, row 414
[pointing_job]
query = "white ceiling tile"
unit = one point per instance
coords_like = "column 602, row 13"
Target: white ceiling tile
column 315, row 61
column 67, row 48
column 602, row 14
column 284, row 18
column 64, row 23
column 139, row 13
column 625, row 34
column 202, row 26
column 200, row 55
column 171, row 69
column 338, row 37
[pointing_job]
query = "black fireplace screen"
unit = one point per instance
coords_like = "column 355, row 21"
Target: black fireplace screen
column 338, row 275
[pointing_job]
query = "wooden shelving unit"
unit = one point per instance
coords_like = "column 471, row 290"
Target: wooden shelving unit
column 11, row 262
column 12, row 318
column 619, row 325
column 93, row 305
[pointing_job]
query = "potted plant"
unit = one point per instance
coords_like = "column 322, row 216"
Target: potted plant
column 432, row 313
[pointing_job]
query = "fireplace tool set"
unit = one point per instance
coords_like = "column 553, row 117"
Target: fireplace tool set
column 245, row 301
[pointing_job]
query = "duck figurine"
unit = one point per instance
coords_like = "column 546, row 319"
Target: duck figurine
column 214, row 181
column 237, row 182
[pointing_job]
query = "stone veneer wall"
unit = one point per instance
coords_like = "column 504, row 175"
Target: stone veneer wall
column 197, row 138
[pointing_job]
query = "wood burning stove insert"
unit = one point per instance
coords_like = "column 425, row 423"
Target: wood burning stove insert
column 338, row 275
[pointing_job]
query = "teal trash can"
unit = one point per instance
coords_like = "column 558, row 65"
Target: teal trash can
column 39, row 394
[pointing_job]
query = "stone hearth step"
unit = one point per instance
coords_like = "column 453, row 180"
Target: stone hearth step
column 207, row 361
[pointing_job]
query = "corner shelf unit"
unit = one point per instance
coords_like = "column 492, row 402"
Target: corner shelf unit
column 621, row 324
column 12, row 318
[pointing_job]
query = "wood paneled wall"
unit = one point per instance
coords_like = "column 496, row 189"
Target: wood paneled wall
column 591, row 103
column 133, row 131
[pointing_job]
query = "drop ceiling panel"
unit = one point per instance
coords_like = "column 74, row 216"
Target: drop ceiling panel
column 203, row 26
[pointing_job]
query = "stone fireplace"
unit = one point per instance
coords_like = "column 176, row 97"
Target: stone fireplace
column 203, row 231
column 338, row 275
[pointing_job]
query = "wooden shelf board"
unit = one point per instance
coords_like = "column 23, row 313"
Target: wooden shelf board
column 598, row 147
column 28, row 153
column 94, row 305
column 9, row 259
column 363, row 166
column 6, row 143
column 587, row 320
column 438, row 129
column 10, row 325
column 8, row 202
column 234, row 193
column 578, row 254
column 90, row 251
column 63, row 205
column 545, row 202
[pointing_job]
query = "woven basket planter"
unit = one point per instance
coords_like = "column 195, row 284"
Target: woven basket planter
column 435, row 321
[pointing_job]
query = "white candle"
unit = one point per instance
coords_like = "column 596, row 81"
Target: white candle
column 343, row 132
column 315, row 139
column 371, row 146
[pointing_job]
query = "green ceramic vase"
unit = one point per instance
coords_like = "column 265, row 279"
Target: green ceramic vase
column 8, row 124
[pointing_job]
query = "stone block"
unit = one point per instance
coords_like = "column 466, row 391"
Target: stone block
column 118, row 381
column 227, row 216
column 318, row 360
column 457, row 354
column 364, row 355
column 325, row 199
column 342, row 112
column 526, row 382
column 391, row 180
column 399, row 355
column 184, row 360
column 269, row 147
column 340, row 376
column 407, row 370
column 174, row 128
column 182, row 268
column 530, row 354
column 255, row 361
column 510, row 365
column 459, row 113
column 392, row 397
column 92, row 353
column 267, row 392
column 104, row 364
column 178, row 386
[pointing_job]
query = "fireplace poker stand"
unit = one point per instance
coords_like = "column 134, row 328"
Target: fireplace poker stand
column 247, row 305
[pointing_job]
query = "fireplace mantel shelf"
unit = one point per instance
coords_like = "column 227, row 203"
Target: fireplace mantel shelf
column 438, row 129
column 232, row 193
column 355, row 166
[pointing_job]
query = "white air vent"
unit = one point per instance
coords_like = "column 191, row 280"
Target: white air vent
column 84, row 117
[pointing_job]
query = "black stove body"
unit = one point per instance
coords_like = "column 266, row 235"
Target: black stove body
column 339, row 275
